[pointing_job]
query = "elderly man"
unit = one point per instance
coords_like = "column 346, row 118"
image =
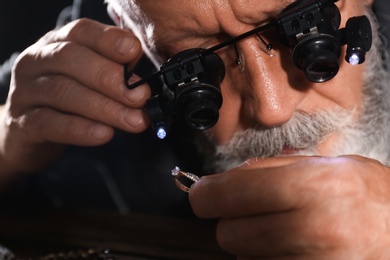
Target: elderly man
column 304, row 163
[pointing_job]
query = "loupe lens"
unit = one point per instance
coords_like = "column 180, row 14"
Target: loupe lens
column 200, row 103
column 322, row 69
column 318, row 56
column 202, row 115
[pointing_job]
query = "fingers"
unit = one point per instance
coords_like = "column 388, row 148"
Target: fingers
column 296, row 207
column 78, row 70
column 291, row 183
column 109, row 41
column 271, row 236
column 293, row 233
column 70, row 97
column 252, row 188
column 69, row 88
column 261, row 236
column 47, row 125
column 238, row 193
column 82, row 64
column 270, row 162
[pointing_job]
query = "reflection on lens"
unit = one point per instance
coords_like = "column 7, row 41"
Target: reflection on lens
column 322, row 70
column 199, row 103
column 318, row 56
column 203, row 118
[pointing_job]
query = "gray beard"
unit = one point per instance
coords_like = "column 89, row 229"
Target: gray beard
column 368, row 137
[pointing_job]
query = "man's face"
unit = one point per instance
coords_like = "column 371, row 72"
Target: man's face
column 264, row 91
column 269, row 89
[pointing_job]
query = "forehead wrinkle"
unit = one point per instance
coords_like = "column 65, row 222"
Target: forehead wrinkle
column 257, row 11
column 190, row 21
column 238, row 16
column 194, row 23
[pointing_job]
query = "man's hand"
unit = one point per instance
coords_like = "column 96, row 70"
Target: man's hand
column 300, row 208
column 69, row 88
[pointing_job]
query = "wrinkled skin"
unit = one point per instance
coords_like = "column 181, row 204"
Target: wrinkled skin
column 299, row 208
column 68, row 88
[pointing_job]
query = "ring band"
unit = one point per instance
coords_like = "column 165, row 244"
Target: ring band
column 177, row 173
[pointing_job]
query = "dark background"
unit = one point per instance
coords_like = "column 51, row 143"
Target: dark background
column 23, row 22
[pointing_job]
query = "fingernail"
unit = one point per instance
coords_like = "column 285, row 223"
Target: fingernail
column 135, row 94
column 133, row 117
column 124, row 45
column 99, row 131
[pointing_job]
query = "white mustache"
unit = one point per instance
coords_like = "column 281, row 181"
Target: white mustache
column 302, row 131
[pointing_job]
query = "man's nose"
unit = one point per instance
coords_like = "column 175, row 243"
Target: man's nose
column 273, row 87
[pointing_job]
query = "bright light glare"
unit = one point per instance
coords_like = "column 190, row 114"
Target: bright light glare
column 161, row 133
column 354, row 59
